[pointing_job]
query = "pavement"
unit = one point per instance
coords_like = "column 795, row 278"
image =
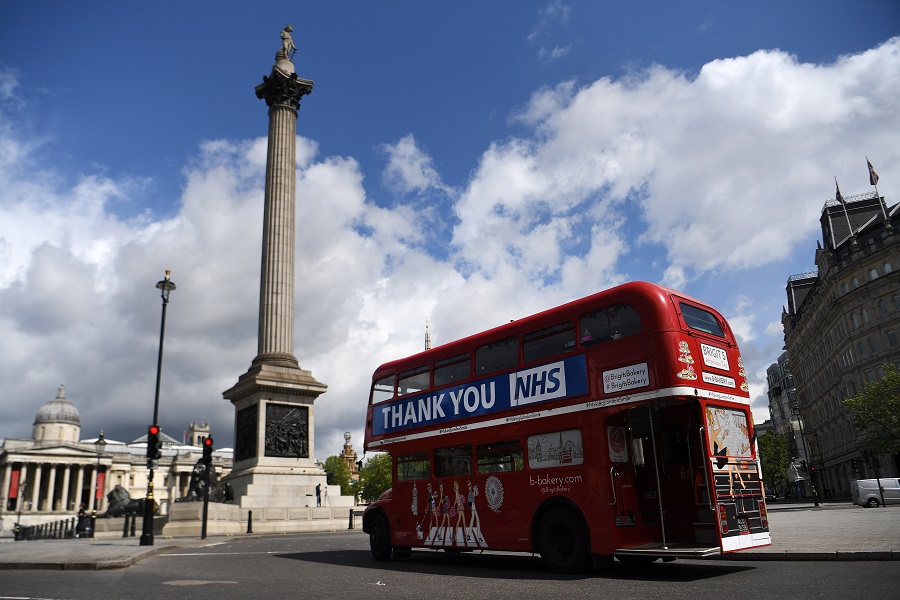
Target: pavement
column 800, row 531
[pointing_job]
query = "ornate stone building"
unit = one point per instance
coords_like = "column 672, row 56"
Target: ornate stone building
column 45, row 478
column 841, row 325
column 782, row 403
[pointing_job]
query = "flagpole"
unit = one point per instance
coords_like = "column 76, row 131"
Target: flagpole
column 873, row 179
column 840, row 198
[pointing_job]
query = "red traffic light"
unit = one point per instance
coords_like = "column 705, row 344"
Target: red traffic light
column 208, row 442
column 154, row 430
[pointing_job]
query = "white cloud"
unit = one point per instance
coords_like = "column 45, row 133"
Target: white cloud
column 555, row 53
column 409, row 168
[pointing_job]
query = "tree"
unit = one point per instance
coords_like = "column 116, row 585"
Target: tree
column 876, row 412
column 339, row 470
column 375, row 476
column 774, row 457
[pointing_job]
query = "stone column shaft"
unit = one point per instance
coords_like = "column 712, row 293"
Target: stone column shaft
column 282, row 91
column 4, row 491
column 64, row 500
column 51, row 488
column 79, row 485
column 23, row 479
column 276, row 297
column 35, row 491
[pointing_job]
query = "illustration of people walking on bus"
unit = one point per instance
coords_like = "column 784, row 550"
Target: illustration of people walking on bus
column 474, row 519
column 430, row 511
column 445, row 512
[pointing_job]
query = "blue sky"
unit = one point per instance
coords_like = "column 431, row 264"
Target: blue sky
column 468, row 162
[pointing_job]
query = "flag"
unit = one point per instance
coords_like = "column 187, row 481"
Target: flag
column 837, row 193
column 873, row 176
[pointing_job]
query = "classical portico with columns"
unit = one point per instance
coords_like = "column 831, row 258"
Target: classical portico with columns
column 47, row 477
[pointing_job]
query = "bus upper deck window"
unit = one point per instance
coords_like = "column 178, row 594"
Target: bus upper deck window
column 383, row 389
column 608, row 324
column 499, row 355
column 414, row 380
column 697, row 318
column 450, row 370
column 549, row 341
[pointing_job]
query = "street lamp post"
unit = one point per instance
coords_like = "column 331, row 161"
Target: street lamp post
column 100, row 443
column 796, row 411
column 20, row 500
column 165, row 286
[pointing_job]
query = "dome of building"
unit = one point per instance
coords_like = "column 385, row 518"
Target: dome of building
column 58, row 410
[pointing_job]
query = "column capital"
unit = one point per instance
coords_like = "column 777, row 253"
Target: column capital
column 281, row 89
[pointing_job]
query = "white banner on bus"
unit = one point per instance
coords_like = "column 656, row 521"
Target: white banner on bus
column 626, row 378
column 718, row 379
column 714, row 356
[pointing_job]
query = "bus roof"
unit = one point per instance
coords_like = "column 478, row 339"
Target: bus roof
column 627, row 292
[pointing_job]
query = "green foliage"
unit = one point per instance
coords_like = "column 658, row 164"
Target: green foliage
column 375, row 476
column 773, row 455
column 876, row 412
column 340, row 474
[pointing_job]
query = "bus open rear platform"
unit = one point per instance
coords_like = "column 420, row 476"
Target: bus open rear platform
column 674, row 550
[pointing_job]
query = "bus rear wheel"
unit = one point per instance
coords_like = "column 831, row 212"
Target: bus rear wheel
column 562, row 542
column 380, row 538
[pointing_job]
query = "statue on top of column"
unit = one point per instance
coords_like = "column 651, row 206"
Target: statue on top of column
column 287, row 44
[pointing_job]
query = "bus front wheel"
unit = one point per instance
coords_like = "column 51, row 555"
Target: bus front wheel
column 562, row 542
column 380, row 538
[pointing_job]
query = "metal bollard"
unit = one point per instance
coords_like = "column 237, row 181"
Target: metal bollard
column 133, row 520
column 93, row 522
column 249, row 521
column 351, row 519
column 125, row 527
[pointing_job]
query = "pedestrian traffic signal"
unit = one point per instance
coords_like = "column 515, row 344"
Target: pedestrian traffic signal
column 154, row 452
column 207, row 451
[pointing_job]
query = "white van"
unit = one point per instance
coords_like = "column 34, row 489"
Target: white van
column 865, row 491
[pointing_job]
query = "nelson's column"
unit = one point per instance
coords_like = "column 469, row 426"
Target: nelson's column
column 274, row 467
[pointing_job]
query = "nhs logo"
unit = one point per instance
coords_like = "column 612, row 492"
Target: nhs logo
column 545, row 382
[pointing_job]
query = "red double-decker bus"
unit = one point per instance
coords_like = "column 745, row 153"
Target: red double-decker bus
column 615, row 425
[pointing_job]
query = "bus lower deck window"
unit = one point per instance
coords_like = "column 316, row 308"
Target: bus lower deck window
column 453, row 461
column 500, row 457
column 413, row 466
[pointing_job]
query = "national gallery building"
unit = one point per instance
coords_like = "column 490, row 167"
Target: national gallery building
column 47, row 477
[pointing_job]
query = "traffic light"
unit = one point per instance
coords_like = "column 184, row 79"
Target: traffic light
column 855, row 463
column 803, row 467
column 812, row 474
column 359, row 465
column 207, row 451
column 154, row 452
